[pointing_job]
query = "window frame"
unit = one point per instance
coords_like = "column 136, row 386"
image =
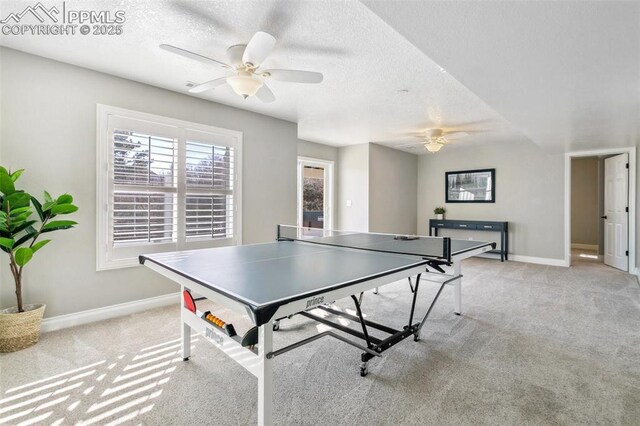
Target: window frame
column 109, row 257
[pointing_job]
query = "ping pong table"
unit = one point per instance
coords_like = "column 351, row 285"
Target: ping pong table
column 302, row 272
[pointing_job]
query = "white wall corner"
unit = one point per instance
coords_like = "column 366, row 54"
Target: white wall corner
column 108, row 312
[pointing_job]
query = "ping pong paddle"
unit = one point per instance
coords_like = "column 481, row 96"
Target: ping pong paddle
column 189, row 303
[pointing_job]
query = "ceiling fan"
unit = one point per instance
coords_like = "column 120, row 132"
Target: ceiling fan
column 244, row 63
column 434, row 139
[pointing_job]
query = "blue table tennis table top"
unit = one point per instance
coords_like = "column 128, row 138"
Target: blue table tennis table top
column 265, row 276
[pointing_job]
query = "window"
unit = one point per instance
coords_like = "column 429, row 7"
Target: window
column 164, row 185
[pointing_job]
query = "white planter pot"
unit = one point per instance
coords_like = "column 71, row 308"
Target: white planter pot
column 439, row 216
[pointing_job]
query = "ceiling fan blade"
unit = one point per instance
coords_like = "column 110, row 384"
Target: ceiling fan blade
column 455, row 134
column 295, row 76
column 191, row 55
column 415, row 134
column 407, row 145
column 212, row 84
column 234, row 54
column 469, row 124
column 265, row 94
column 258, row 48
column 311, row 48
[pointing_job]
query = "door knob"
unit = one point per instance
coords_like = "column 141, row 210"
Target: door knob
column 603, row 217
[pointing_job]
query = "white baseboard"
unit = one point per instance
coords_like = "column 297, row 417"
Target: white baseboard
column 538, row 260
column 99, row 314
column 593, row 247
column 527, row 259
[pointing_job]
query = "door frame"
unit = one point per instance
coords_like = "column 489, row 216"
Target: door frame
column 329, row 189
column 632, row 200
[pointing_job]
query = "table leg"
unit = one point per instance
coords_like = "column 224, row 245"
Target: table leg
column 457, row 289
column 186, row 336
column 265, row 375
column 506, row 244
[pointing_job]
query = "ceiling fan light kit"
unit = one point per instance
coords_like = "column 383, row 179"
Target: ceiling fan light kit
column 433, row 146
column 434, row 139
column 245, row 84
column 245, row 61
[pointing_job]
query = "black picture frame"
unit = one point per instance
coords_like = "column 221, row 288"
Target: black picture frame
column 477, row 179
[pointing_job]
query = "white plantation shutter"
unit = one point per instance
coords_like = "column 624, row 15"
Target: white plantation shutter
column 209, row 188
column 168, row 185
column 147, row 217
column 145, row 183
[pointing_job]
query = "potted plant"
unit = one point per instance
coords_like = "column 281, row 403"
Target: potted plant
column 439, row 211
column 20, row 239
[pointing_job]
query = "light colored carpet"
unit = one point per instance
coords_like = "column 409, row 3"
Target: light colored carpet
column 536, row 345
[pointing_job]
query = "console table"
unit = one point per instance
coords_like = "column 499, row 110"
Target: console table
column 476, row 225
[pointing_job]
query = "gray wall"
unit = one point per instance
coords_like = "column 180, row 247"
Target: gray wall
column 584, row 201
column 353, row 169
column 393, row 179
column 529, row 194
column 317, row 150
column 49, row 128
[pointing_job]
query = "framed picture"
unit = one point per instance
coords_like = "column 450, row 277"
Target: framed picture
column 471, row 186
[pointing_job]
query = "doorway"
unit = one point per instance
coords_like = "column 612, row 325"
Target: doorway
column 587, row 207
column 315, row 194
column 600, row 207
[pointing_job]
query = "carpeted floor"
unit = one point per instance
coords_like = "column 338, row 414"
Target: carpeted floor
column 536, row 345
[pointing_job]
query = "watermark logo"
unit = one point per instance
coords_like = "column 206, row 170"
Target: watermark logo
column 33, row 10
column 64, row 20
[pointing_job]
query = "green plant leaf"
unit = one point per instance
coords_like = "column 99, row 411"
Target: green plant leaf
column 38, row 207
column 6, row 184
column 65, row 199
column 20, row 210
column 15, row 225
column 26, row 237
column 15, row 175
column 23, row 255
column 3, row 170
column 57, row 225
column 24, row 226
column 37, row 246
column 47, row 197
column 48, row 205
column 63, row 209
column 7, row 243
column 16, row 200
column 20, row 218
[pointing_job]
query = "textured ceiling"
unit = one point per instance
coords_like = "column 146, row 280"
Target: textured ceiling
column 566, row 74
column 365, row 63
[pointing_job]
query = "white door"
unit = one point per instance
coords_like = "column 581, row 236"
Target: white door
column 616, row 217
column 315, row 189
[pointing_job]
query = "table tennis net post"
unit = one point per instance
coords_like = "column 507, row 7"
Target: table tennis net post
column 330, row 237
